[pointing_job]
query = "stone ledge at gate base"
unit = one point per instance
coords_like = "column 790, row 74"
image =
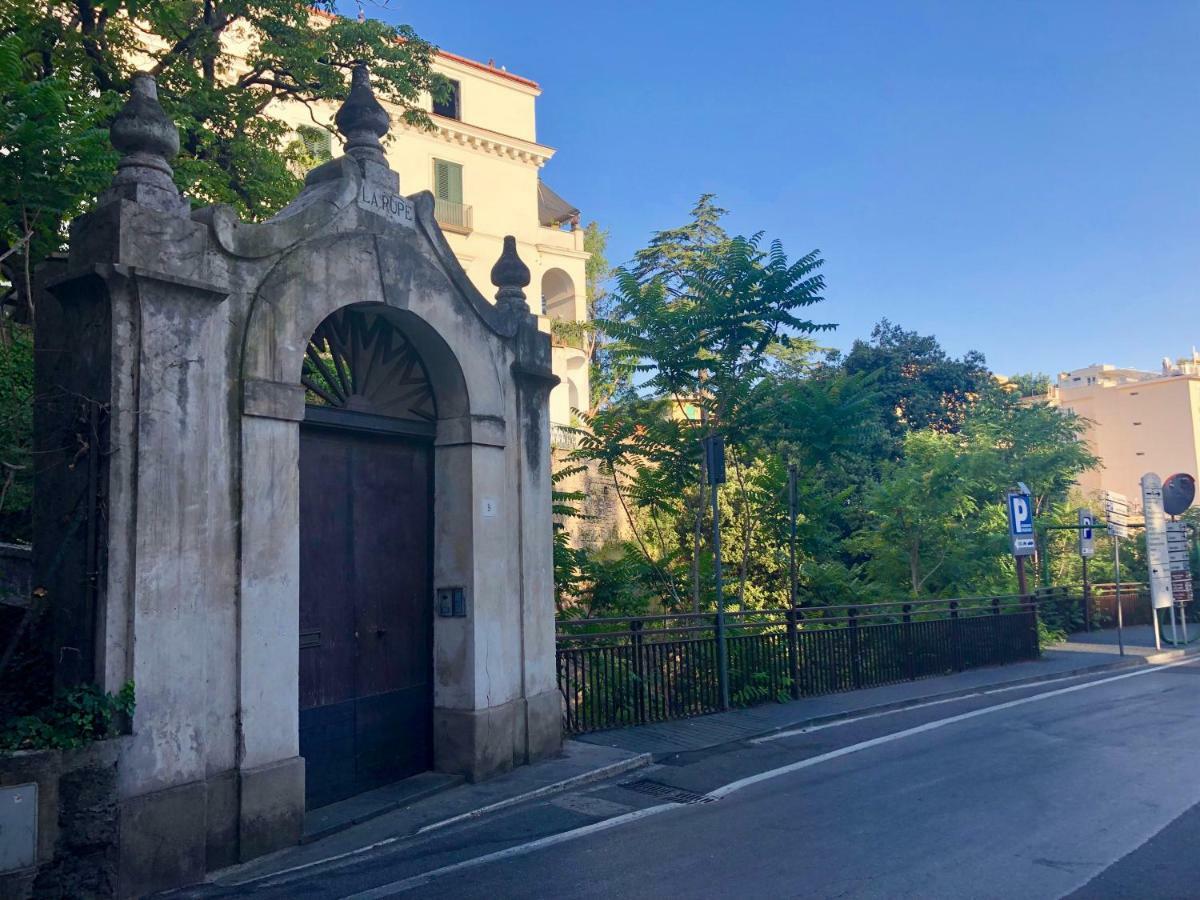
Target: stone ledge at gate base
column 481, row 743
column 175, row 836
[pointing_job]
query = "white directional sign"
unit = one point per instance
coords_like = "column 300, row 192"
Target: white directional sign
column 1087, row 540
column 1116, row 513
column 1020, row 524
column 1179, row 548
column 1157, row 555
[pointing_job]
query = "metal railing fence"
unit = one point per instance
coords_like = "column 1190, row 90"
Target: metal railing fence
column 631, row 671
column 452, row 215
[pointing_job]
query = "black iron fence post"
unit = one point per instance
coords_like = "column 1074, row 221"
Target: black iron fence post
column 1030, row 605
column 910, row 668
column 855, row 660
column 639, row 671
column 793, row 642
column 956, row 650
column 997, row 644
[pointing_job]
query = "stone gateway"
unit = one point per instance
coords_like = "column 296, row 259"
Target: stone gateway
column 294, row 483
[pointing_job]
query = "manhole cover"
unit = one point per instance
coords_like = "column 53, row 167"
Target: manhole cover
column 666, row 791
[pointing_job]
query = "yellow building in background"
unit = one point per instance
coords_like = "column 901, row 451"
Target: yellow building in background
column 1139, row 421
column 483, row 163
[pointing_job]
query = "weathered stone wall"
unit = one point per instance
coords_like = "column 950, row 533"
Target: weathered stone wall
column 602, row 518
column 16, row 572
column 78, row 839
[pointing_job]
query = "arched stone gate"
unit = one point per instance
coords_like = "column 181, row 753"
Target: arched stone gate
column 190, row 331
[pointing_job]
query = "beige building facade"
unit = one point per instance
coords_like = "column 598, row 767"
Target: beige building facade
column 1139, row 421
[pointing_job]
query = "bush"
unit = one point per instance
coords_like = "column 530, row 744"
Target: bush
column 77, row 717
column 16, row 433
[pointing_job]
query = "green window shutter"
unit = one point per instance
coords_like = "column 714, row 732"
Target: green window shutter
column 317, row 142
column 447, row 181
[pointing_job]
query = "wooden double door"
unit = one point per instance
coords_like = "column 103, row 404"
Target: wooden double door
column 366, row 610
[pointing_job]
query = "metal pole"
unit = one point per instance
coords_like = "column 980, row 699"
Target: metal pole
column 1120, row 615
column 792, row 535
column 1021, row 586
column 792, row 635
column 1087, row 606
column 722, row 654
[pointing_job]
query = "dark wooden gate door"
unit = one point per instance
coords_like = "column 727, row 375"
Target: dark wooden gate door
column 366, row 611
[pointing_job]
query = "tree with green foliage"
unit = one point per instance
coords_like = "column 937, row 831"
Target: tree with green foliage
column 65, row 65
column 1030, row 384
column 920, row 385
column 16, row 434
column 696, row 317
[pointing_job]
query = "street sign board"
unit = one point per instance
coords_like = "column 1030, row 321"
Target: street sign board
column 1116, row 513
column 1179, row 547
column 1087, row 540
column 1157, row 554
column 1181, row 587
column 1020, row 524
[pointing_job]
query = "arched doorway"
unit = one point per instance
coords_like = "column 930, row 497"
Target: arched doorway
column 366, row 612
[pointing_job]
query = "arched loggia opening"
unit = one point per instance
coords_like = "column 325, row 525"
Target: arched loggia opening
column 366, row 552
column 558, row 295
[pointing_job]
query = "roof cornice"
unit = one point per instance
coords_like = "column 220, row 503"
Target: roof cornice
column 453, row 131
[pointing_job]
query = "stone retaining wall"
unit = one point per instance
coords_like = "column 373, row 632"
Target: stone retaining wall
column 77, row 821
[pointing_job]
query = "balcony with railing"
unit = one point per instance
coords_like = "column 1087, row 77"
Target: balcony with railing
column 452, row 216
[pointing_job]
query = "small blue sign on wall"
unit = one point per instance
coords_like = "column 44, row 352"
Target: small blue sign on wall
column 1020, row 524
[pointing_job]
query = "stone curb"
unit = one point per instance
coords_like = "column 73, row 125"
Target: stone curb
column 598, row 774
column 1128, row 662
column 228, row 877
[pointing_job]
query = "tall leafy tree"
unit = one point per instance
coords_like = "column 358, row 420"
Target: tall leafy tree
column 222, row 67
column 920, row 385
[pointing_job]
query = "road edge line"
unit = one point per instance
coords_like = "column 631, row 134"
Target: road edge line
column 609, row 770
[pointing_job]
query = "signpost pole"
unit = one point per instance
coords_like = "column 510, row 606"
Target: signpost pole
column 1117, row 573
column 1022, row 533
column 1087, row 606
column 793, row 636
column 714, row 452
column 1087, row 549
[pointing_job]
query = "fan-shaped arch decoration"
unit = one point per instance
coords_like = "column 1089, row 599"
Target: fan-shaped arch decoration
column 358, row 361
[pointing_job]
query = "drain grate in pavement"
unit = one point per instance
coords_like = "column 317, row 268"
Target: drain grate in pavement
column 666, row 791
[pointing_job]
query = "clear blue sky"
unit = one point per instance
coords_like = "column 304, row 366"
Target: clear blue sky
column 1021, row 178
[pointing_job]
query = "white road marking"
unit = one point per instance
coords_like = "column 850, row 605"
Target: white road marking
column 808, row 729
column 837, row 723
column 617, row 768
column 770, row 774
column 407, row 884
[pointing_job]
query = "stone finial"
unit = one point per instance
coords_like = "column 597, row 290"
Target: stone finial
column 148, row 141
column 511, row 276
column 362, row 119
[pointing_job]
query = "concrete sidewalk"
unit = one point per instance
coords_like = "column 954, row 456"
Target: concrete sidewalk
column 1081, row 654
column 579, row 764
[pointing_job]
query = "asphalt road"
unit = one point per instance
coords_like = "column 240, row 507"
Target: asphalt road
column 1082, row 787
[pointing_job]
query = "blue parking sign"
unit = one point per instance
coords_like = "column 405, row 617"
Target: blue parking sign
column 1020, row 524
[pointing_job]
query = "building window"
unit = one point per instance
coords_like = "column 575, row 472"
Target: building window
column 448, row 207
column 317, row 142
column 450, row 105
column 447, row 181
